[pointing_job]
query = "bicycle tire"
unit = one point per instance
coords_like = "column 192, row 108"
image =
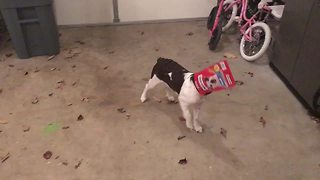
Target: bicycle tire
column 265, row 45
column 234, row 12
column 212, row 17
column 215, row 38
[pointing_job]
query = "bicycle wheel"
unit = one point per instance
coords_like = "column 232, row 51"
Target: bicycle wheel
column 229, row 15
column 261, row 37
column 212, row 17
column 215, row 38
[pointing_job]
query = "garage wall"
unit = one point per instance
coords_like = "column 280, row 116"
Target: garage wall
column 72, row 12
column 140, row 10
column 79, row 12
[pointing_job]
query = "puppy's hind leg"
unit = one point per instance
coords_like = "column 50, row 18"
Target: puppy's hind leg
column 169, row 96
column 153, row 82
column 196, row 111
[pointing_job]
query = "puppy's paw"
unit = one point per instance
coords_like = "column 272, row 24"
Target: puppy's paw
column 189, row 125
column 171, row 98
column 143, row 99
column 198, row 129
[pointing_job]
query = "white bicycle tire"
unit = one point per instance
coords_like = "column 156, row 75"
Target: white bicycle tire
column 265, row 45
column 233, row 15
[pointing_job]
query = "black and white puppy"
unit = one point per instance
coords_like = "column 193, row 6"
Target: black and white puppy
column 182, row 82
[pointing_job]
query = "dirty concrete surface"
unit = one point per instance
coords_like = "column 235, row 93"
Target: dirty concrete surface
column 109, row 73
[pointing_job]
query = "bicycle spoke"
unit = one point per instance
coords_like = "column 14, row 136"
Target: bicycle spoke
column 253, row 47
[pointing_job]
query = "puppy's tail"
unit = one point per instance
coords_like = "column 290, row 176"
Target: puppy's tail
column 160, row 59
column 156, row 68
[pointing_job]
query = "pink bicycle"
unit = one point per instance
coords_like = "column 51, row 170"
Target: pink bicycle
column 256, row 34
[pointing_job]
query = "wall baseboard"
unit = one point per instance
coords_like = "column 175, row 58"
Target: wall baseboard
column 135, row 22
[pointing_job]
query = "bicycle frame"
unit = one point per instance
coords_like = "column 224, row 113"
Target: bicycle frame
column 217, row 18
column 243, row 4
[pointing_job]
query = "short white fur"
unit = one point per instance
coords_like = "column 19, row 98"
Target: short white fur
column 189, row 99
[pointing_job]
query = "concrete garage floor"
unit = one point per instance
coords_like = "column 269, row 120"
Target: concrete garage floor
column 110, row 73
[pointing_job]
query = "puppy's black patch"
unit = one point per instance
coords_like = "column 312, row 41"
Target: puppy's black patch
column 170, row 72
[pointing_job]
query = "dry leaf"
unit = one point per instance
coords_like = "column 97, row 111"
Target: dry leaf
column 80, row 42
column 121, row 110
column 183, row 161
column 69, row 104
column 35, row 100
column 51, row 57
column 223, row 132
column 250, row 73
column 85, row 99
column 239, row 83
column 106, row 67
column 52, row 69
column 26, row 128
column 8, row 55
column 47, row 155
column 60, row 84
column 263, row 121
column 180, row 137
column 5, row 157
column 80, row 118
column 70, row 53
column 78, row 165
column 65, row 127
column 229, row 55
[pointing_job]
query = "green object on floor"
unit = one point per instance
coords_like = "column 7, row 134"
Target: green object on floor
column 51, row 128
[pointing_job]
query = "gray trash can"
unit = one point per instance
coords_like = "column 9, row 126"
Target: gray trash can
column 32, row 27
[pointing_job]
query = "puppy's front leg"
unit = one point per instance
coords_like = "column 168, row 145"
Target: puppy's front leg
column 186, row 114
column 196, row 111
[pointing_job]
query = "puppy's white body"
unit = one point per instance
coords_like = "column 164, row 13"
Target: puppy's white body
column 189, row 99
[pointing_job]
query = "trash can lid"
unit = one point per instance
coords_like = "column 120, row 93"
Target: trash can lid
column 8, row 4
